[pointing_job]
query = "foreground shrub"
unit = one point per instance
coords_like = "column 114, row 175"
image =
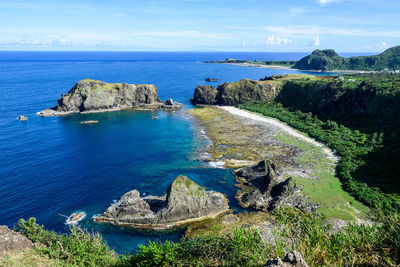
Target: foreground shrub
column 79, row 248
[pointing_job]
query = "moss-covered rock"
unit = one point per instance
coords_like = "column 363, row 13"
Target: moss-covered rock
column 235, row 93
column 185, row 202
column 91, row 95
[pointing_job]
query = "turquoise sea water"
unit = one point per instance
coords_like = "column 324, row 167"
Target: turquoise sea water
column 54, row 166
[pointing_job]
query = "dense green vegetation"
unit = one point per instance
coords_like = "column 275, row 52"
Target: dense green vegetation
column 79, row 248
column 327, row 60
column 307, row 233
column 357, row 149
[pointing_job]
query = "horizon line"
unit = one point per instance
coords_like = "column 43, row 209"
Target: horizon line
column 186, row 51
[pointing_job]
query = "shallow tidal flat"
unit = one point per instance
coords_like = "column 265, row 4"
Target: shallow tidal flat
column 238, row 141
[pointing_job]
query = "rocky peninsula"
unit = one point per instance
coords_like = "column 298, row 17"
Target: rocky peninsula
column 184, row 203
column 328, row 60
column 97, row 96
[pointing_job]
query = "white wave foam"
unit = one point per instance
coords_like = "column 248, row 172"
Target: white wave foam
column 216, row 164
column 205, row 155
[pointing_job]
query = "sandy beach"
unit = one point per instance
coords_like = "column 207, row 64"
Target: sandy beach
column 283, row 127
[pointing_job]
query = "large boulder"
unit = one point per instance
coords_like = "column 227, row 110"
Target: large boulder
column 235, row 93
column 13, row 241
column 292, row 259
column 184, row 202
column 91, row 95
column 262, row 190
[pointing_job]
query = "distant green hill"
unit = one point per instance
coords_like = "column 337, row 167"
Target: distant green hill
column 328, row 59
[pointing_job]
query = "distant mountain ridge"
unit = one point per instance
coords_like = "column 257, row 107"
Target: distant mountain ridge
column 328, row 60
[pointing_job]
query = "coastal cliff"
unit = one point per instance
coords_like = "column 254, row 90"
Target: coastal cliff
column 94, row 96
column 185, row 202
column 235, row 93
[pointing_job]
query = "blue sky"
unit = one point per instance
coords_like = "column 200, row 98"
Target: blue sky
column 202, row 25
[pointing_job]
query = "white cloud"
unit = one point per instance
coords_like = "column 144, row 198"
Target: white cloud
column 277, row 41
column 28, row 41
column 316, row 41
column 382, row 46
column 62, row 41
column 312, row 30
column 244, row 43
column 185, row 34
column 300, row 10
column 325, row 2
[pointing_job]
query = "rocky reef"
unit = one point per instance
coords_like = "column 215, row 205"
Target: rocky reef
column 235, row 93
column 94, row 96
column 185, row 202
column 262, row 190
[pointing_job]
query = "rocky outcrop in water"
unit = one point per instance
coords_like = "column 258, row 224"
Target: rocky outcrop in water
column 184, row 202
column 263, row 191
column 91, row 96
column 235, row 93
column 13, row 241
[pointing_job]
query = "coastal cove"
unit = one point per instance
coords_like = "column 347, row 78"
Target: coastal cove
column 52, row 166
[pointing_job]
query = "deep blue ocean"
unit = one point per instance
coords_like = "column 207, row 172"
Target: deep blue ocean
column 53, row 166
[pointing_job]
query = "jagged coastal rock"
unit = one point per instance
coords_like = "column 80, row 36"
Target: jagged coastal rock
column 185, row 202
column 292, row 259
column 262, row 190
column 22, row 118
column 235, row 93
column 94, row 96
column 13, row 241
column 205, row 94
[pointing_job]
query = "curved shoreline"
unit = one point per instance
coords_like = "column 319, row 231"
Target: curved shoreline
column 285, row 128
column 290, row 68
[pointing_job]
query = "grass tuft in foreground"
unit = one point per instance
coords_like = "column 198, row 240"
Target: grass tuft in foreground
column 79, row 248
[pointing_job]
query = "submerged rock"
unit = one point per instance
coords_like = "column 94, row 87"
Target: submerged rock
column 89, row 122
column 13, row 241
column 263, row 191
column 94, row 96
column 184, row 202
column 292, row 259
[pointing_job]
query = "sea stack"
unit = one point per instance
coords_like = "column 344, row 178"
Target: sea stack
column 184, row 203
column 97, row 96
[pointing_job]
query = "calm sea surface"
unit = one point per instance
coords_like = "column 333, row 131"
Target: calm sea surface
column 54, row 166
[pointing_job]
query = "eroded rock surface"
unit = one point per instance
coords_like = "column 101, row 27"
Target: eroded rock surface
column 91, row 96
column 204, row 94
column 184, row 202
column 262, row 190
column 235, row 93
column 292, row 259
column 13, row 241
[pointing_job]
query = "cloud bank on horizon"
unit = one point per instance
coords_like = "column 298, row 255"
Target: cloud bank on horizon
column 200, row 25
